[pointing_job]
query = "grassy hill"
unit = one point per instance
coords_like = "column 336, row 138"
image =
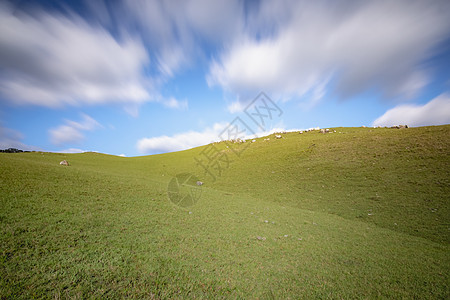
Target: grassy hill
column 357, row 213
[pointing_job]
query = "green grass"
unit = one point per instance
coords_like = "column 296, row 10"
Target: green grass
column 360, row 214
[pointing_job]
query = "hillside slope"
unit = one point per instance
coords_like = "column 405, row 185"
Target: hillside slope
column 394, row 175
column 358, row 213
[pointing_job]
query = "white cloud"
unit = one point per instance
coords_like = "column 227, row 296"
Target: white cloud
column 71, row 150
column 181, row 141
column 191, row 139
column 174, row 103
column 286, row 48
column 10, row 138
column 133, row 109
column 55, row 60
column 236, row 107
column 176, row 29
column 435, row 112
column 301, row 48
column 72, row 132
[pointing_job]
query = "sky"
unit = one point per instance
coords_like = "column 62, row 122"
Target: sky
column 142, row 77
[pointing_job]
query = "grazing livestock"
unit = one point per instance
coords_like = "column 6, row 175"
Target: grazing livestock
column 64, row 163
column 400, row 126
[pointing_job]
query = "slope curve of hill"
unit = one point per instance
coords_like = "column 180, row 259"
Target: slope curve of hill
column 356, row 213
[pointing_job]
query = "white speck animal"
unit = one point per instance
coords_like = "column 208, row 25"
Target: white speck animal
column 64, row 163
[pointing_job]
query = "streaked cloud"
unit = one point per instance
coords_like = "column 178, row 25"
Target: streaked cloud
column 176, row 31
column 122, row 54
column 308, row 49
column 54, row 60
column 174, row 103
column 72, row 132
column 191, row 139
column 290, row 49
column 236, row 107
column 181, row 141
column 435, row 112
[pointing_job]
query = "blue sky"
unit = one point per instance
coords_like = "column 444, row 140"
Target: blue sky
column 145, row 77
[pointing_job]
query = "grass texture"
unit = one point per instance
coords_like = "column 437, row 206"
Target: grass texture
column 356, row 213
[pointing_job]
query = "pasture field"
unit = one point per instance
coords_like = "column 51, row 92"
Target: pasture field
column 357, row 213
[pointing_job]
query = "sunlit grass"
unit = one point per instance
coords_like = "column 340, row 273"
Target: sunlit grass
column 358, row 214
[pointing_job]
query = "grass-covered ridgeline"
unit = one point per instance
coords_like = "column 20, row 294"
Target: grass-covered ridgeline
column 357, row 213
